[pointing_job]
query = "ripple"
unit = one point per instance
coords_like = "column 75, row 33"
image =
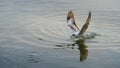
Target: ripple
column 43, row 32
column 51, row 29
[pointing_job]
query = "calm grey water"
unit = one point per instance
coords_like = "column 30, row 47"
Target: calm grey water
column 34, row 34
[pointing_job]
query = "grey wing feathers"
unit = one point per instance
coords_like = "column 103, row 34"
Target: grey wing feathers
column 85, row 26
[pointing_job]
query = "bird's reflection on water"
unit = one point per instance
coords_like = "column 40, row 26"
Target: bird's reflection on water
column 81, row 47
column 79, row 42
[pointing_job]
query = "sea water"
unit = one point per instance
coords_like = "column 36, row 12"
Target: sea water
column 34, row 34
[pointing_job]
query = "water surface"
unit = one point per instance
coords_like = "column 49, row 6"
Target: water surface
column 34, row 34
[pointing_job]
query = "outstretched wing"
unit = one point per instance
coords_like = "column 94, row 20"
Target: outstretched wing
column 85, row 26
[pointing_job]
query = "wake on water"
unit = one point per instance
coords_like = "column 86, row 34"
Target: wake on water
column 87, row 35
